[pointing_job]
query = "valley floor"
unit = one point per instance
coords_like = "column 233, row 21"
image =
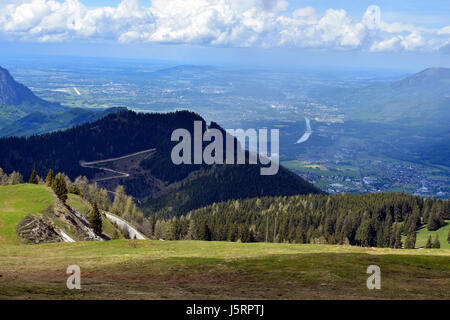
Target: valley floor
column 134, row 269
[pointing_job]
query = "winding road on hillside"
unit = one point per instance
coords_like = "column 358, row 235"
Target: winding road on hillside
column 93, row 165
column 121, row 223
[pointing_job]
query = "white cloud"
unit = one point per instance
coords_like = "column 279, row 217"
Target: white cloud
column 235, row 23
column 444, row 30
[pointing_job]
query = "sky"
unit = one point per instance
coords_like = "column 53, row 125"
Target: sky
column 401, row 34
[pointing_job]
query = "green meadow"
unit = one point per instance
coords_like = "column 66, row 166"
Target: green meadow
column 16, row 202
column 423, row 234
column 134, row 269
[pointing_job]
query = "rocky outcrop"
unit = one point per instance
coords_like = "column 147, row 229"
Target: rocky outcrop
column 38, row 229
column 42, row 228
column 76, row 223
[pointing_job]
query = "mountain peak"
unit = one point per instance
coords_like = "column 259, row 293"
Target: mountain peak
column 13, row 93
column 5, row 76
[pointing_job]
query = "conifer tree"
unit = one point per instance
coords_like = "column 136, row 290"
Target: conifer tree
column 410, row 242
column 104, row 202
column 120, row 201
column 82, row 184
column 434, row 220
column 59, row 187
column 192, row 231
column 244, row 234
column 95, row 219
column 3, row 177
column 205, row 232
column 429, row 243
column 34, row 177
column 14, row 178
column 398, row 237
column 50, row 177
column 436, row 243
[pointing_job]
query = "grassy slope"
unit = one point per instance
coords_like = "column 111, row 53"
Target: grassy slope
column 215, row 270
column 16, row 202
column 422, row 236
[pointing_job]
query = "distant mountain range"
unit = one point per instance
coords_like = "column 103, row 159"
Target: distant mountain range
column 39, row 122
column 407, row 119
column 420, row 100
column 22, row 113
column 434, row 79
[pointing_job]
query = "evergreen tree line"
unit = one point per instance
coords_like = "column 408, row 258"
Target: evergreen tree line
column 378, row 220
column 366, row 220
column 436, row 244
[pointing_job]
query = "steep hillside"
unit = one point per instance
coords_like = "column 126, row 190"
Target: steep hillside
column 32, row 214
column 221, row 183
column 22, row 113
column 16, row 94
column 113, row 136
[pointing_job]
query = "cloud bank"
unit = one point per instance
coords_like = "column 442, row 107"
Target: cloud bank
column 222, row 23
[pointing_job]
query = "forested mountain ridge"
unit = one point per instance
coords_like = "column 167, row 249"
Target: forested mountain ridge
column 112, row 136
column 221, row 183
column 127, row 132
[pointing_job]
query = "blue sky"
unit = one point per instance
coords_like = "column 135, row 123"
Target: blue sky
column 405, row 35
